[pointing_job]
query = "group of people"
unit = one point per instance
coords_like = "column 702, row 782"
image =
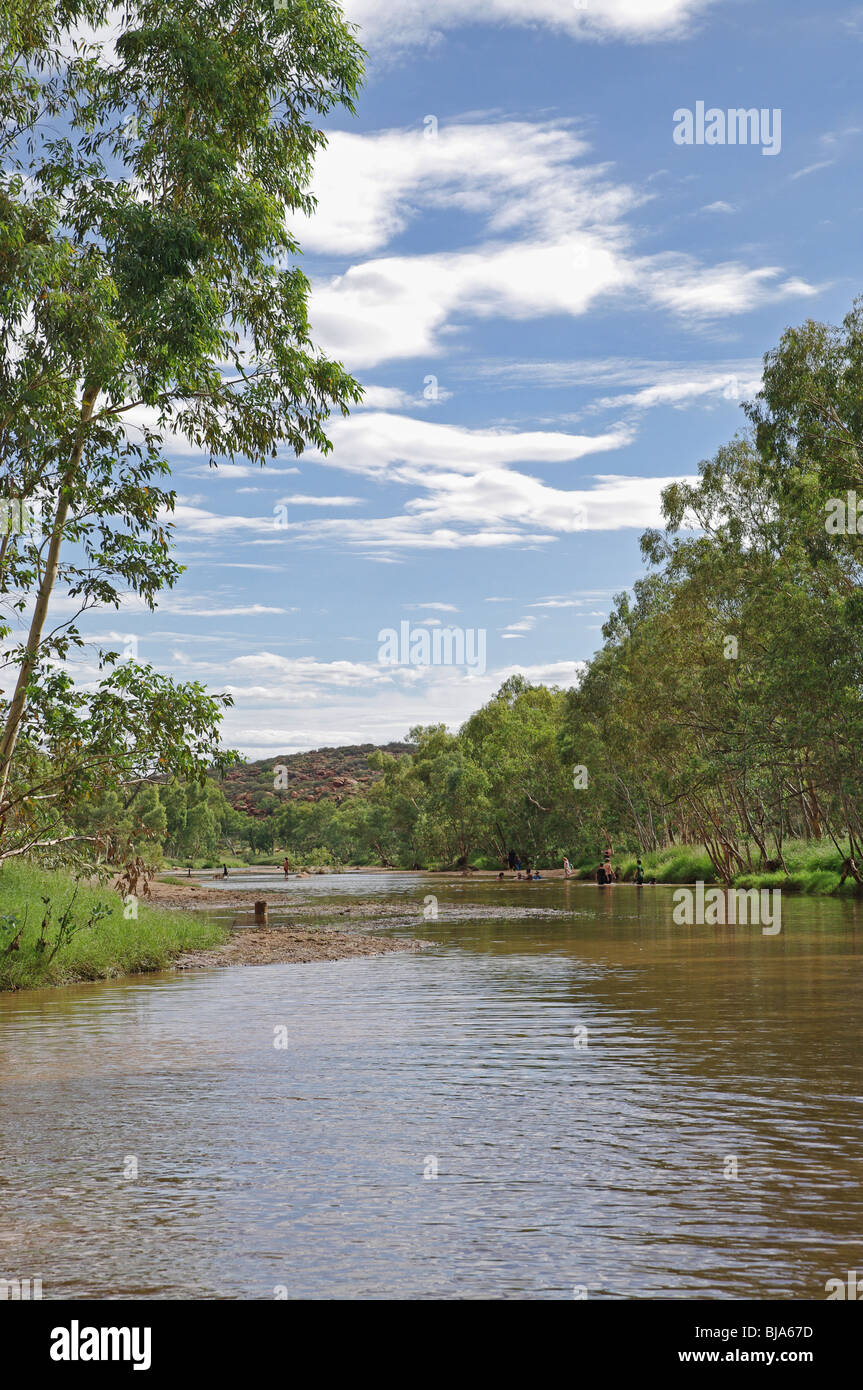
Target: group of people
column 515, row 866
column 605, row 874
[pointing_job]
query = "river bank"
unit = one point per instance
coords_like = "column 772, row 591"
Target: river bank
column 817, row 868
column 57, row 931
column 291, row 946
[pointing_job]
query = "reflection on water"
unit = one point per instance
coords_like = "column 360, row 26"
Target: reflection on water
column 558, row 1165
column 352, row 885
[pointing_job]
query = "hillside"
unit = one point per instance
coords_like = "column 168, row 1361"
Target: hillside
column 325, row 772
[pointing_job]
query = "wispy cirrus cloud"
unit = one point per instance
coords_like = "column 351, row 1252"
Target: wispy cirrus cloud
column 649, row 384
column 468, row 490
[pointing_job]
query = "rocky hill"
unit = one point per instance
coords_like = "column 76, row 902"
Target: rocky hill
column 325, row 772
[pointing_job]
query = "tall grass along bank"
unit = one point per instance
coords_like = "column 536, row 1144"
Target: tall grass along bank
column 55, row 930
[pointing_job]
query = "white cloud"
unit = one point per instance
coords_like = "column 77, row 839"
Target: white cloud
column 468, row 491
column 812, row 168
column 403, row 306
column 553, row 238
column 399, row 448
column 304, row 703
column 230, row 472
column 131, row 606
column 519, row 629
column 471, row 494
column 680, row 390
column 385, row 398
column 197, row 521
column 511, row 174
column 672, row 384
column 299, row 499
column 248, row 611
column 500, row 508
column 561, row 601
column 682, row 284
column 388, row 27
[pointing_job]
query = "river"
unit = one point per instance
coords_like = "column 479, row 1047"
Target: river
column 585, row 1100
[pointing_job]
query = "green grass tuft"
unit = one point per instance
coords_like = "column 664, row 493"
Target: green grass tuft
column 110, row 946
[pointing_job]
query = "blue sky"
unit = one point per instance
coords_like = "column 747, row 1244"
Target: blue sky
column 592, row 301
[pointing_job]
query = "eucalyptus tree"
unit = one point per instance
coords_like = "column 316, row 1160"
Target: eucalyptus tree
column 149, row 284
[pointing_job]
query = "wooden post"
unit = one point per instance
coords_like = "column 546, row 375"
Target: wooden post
column 261, row 912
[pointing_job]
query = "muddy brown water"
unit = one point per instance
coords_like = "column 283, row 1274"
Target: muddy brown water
column 584, row 1086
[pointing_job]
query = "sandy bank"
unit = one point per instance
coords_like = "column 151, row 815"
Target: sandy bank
column 290, row 943
column 292, row 946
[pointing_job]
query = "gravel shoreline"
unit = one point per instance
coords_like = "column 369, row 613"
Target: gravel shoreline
column 334, row 930
column 292, row 946
column 290, row 943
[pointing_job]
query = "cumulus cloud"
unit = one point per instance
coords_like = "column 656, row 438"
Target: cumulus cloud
column 385, row 398
column 399, row 307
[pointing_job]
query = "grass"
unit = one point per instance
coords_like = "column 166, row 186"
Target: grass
column 680, row 864
column 97, row 941
column 814, row 867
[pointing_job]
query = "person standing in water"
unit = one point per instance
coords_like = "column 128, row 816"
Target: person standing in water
column 567, row 867
column 639, row 873
column 286, row 866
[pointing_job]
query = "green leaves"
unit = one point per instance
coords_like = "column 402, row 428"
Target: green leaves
column 145, row 266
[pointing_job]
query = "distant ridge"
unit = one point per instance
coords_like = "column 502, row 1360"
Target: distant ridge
column 333, row 773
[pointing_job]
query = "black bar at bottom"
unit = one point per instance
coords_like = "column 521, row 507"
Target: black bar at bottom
column 151, row 1337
